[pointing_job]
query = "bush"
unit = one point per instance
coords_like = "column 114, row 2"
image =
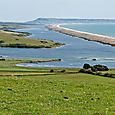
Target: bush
column 99, row 73
column 94, row 69
column 51, row 70
column 108, row 75
column 63, row 71
column 44, row 42
column 1, row 41
column 86, row 66
column 2, row 59
column 82, row 70
column 89, row 71
column 101, row 68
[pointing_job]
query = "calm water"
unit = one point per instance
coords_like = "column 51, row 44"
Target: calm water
column 75, row 53
column 104, row 29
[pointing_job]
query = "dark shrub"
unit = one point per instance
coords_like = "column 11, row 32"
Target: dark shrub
column 44, row 42
column 1, row 41
column 51, row 70
column 31, row 61
column 89, row 71
column 101, row 67
column 86, row 66
column 66, row 97
column 99, row 73
column 57, row 43
column 82, row 70
column 111, row 75
column 17, row 45
column 9, row 89
column 94, row 73
column 63, row 71
column 108, row 75
column 2, row 59
column 61, row 91
column 106, row 68
column 93, row 69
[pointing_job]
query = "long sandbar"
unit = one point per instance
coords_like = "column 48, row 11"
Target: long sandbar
column 85, row 35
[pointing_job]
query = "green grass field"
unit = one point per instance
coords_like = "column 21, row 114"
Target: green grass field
column 37, row 91
column 16, row 40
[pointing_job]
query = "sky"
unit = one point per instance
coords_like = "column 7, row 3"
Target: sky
column 25, row 10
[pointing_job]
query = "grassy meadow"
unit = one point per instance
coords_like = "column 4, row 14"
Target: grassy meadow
column 18, row 40
column 37, row 91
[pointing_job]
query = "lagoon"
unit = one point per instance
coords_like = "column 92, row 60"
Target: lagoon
column 75, row 53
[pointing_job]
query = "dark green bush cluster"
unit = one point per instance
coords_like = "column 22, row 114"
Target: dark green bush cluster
column 44, row 42
column 89, row 71
column 1, row 41
column 62, row 71
column 96, row 67
column 95, row 70
column 109, row 75
column 100, row 68
column 22, row 46
column 2, row 59
column 17, row 45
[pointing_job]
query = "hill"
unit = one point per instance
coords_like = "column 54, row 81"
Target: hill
column 59, row 20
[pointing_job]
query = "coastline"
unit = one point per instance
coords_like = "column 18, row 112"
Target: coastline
column 16, row 62
column 84, row 35
column 15, row 39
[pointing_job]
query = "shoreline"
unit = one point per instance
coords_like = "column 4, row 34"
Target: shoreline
column 15, row 39
column 84, row 35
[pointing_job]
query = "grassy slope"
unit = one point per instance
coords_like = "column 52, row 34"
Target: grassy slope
column 10, row 40
column 54, row 94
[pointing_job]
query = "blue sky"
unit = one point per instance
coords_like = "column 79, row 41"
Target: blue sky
column 24, row 10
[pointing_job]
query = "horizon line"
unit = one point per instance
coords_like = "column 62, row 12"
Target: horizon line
column 59, row 18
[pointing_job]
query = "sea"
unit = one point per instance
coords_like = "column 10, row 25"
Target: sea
column 74, row 53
